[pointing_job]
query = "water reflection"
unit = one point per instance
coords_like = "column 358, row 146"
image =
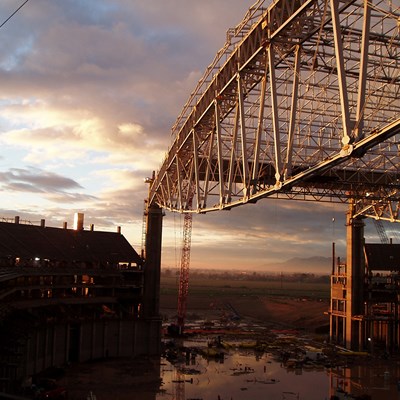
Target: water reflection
column 377, row 379
column 201, row 372
column 241, row 375
column 245, row 374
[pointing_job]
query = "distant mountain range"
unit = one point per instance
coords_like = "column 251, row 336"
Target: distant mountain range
column 311, row 265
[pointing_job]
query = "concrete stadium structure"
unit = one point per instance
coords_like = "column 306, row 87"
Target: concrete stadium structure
column 365, row 293
column 71, row 295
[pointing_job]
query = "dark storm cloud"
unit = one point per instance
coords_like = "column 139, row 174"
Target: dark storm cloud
column 35, row 180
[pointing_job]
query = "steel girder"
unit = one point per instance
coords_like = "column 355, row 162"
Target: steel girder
column 302, row 102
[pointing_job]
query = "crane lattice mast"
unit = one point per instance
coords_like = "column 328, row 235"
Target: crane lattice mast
column 381, row 231
column 184, row 272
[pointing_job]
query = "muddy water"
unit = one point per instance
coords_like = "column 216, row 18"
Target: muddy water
column 377, row 378
column 244, row 374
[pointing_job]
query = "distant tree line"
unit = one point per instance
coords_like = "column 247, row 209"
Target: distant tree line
column 248, row 276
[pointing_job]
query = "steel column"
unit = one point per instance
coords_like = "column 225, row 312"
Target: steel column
column 275, row 114
column 219, row 155
column 344, row 101
column 363, row 70
column 293, row 110
column 245, row 164
column 260, row 126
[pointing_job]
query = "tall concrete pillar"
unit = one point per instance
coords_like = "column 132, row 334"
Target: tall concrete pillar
column 354, row 278
column 152, row 271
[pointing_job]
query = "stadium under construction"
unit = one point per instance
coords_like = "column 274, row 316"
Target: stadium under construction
column 301, row 103
column 73, row 295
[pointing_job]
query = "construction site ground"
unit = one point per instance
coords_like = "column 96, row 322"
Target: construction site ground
column 296, row 305
column 262, row 334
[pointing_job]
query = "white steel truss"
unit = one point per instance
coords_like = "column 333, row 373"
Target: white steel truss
column 302, row 102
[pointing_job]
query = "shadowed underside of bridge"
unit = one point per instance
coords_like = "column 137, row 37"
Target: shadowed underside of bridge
column 303, row 103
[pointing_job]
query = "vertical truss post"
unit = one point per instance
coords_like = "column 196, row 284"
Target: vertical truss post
column 245, row 164
column 233, row 153
column 219, row 154
column 363, row 70
column 178, row 169
column 275, row 116
column 259, row 129
column 207, row 177
column 167, row 178
column 293, row 109
column 196, row 167
column 344, row 101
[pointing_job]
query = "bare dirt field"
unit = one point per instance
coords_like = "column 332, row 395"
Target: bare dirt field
column 293, row 305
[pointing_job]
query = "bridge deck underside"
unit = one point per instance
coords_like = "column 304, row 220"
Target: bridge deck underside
column 302, row 102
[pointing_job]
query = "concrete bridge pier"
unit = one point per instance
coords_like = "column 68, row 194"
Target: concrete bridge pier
column 355, row 272
column 152, row 271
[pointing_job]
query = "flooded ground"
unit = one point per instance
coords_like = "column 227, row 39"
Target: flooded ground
column 238, row 366
column 249, row 374
column 241, row 375
column 246, row 357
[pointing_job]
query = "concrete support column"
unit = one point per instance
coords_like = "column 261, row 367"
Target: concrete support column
column 361, row 336
column 152, row 265
column 152, row 271
column 93, row 341
column 53, row 347
column 396, row 325
column 355, row 272
column 67, row 335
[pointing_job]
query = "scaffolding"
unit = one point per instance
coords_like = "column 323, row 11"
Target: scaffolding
column 376, row 326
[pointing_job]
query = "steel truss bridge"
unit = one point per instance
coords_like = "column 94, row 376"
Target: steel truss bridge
column 303, row 103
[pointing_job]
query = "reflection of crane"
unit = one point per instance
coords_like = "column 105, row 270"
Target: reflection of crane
column 179, row 388
column 184, row 273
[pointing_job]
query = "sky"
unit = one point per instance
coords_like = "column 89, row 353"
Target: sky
column 89, row 91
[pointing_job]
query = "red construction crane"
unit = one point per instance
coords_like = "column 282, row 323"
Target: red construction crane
column 381, row 231
column 184, row 273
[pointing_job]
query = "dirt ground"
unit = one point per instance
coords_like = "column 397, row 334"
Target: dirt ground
column 274, row 311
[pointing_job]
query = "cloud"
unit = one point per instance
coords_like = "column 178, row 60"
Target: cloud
column 89, row 93
column 252, row 235
column 36, row 180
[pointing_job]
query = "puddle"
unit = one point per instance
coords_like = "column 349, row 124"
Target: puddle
column 247, row 374
column 240, row 375
column 233, row 370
